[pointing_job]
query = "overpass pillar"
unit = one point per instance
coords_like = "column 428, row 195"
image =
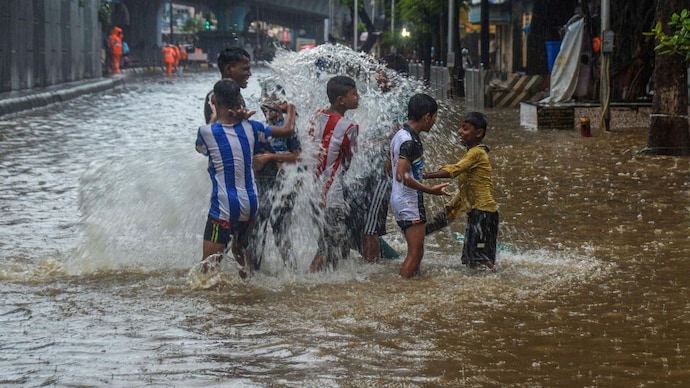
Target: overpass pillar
column 143, row 34
column 231, row 18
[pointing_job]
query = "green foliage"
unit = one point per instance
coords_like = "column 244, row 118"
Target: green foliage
column 678, row 42
column 423, row 14
column 194, row 24
column 105, row 12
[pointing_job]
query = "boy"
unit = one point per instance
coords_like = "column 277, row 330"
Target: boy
column 268, row 168
column 475, row 195
column 407, row 161
column 371, row 199
column 229, row 144
column 233, row 63
column 338, row 141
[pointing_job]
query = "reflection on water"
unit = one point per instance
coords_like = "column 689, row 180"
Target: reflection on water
column 103, row 203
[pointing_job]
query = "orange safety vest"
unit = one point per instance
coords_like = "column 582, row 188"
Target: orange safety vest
column 176, row 54
column 168, row 54
column 115, row 43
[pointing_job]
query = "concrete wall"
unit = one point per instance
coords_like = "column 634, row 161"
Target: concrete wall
column 48, row 42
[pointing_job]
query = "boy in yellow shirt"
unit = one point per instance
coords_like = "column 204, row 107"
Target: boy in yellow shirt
column 475, row 195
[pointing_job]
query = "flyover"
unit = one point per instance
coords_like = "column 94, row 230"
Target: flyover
column 141, row 20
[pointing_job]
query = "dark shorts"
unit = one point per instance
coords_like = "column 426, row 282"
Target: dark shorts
column 334, row 243
column 221, row 232
column 377, row 209
column 480, row 237
column 406, row 224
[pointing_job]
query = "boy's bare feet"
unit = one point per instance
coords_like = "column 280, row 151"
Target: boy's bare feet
column 211, row 263
column 488, row 264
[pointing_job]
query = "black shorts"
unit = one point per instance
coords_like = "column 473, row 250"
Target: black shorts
column 220, row 232
column 377, row 209
column 480, row 237
column 406, row 224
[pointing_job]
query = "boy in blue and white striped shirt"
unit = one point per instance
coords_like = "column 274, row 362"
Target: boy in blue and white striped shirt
column 230, row 143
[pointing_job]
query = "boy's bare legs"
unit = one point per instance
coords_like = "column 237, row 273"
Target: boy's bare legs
column 210, row 248
column 414, row 235
column 318, row 263
column 371, row 248
column 241, row 257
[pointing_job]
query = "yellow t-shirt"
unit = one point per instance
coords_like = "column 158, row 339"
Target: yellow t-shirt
column 475, row 184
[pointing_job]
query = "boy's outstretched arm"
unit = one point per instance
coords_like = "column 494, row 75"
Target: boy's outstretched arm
column 436, row 174
column 404, row 174
column 288, row 127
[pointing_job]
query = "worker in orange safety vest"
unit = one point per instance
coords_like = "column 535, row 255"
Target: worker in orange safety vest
column 115, row 47
column 168, row 58
column 176, row 52
column 183, row 55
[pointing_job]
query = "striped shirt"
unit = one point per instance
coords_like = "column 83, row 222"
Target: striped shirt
column 338, row 139
column 230, row 149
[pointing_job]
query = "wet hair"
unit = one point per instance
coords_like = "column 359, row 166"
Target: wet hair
column 230, row 56
column 339, row 86
column 477, row 119
column 397, row 62
column 419, row 105
column 227, row 93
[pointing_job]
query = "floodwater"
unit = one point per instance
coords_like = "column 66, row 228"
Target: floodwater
column 103, row 204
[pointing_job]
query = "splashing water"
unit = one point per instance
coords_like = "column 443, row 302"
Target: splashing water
column 303, row 75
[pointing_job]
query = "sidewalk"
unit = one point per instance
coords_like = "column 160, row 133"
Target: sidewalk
column 12, row 102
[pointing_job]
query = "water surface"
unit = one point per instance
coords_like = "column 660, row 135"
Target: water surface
column 103, row 204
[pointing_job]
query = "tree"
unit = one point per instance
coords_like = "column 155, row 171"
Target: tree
column 195, row 24
column 427, row 17
column 668, row 131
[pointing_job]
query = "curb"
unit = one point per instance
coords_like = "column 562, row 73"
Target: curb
column 45, row 96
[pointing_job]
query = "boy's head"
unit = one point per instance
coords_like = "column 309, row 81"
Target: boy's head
column 272, row 110
column 342, row 91
column 473, row 128
column 478, row 120
column 234, row 63
column 226, row 93
column 420, row 105
column 395, row 62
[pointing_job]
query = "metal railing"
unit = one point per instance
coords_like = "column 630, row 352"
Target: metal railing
column 475, row 87
column 439, row 79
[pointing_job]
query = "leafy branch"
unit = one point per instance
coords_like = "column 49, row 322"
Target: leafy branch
column 678, row 42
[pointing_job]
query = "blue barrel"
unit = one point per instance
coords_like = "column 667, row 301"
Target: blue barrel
column 552, row 49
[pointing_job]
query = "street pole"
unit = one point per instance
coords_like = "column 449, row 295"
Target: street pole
column 354, row 27
column 484, row 33
column 452, row 30
column 604, row 74
column 392, row 17
column 171, row 23
column 331, row 13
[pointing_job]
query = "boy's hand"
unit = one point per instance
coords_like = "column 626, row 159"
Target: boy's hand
column 440, row 189
column 259, row 161
column 245, row 114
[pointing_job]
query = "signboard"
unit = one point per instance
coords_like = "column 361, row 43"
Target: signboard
column 499, row 12
column 550, row 117
column 301, row 43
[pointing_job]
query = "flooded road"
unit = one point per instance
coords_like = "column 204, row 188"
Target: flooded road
column 103, row 204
